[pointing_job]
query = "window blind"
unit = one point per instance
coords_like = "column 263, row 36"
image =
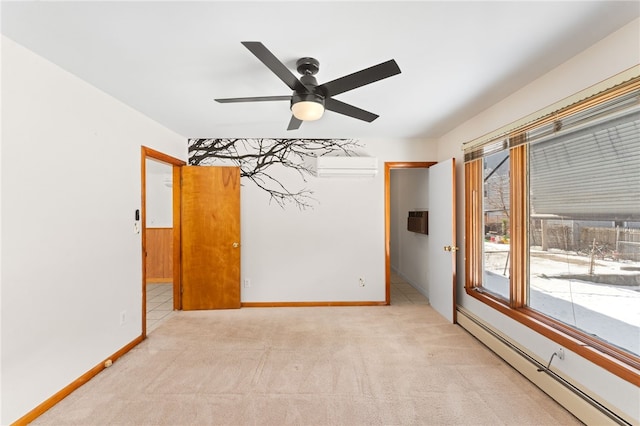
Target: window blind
column 600, row 102
column 592, row 173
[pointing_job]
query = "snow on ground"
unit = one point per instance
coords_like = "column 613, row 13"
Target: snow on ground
column 611, row 312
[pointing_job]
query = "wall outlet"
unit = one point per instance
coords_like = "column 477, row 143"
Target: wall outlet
column 247, row 283
column 361, row 282
column 123, row 317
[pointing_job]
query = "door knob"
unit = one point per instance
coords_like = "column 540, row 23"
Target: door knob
column 235, row 245
column 450, row 248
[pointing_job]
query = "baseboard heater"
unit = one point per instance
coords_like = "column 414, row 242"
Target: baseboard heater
column 576, row 401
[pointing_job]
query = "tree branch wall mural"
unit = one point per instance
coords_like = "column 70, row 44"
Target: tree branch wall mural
column 258, row 157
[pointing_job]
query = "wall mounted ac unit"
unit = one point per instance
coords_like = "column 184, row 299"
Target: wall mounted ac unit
column 346, row 166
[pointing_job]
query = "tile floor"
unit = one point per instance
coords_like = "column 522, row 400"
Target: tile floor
column 159, row 304
column 403, row 293
column 160, row 299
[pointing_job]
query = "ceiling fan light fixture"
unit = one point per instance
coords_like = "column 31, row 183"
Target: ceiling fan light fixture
column 307, row 102
column 307, row 107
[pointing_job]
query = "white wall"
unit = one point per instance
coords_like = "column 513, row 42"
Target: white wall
column 409, row 192
column 614, row 54
column 159, row 191
column 320, row 254
column 71, row 262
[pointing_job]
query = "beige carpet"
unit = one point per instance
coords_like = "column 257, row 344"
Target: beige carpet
column 396, row 365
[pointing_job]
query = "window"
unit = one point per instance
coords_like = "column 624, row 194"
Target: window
column 495, row 214
column 553, row 227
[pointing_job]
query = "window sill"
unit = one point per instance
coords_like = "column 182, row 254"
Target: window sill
column 619, row 363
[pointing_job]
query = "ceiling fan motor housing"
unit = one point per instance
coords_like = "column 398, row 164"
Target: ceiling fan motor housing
column 307, row 97
column 308, row 66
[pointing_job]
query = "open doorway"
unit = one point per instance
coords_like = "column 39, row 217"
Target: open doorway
column 409, row 239
column 159, row 242
column 441, row 249
column 396, row 210
column 161, row 229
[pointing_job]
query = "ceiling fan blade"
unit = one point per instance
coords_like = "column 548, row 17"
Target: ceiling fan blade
column 254, row 99
column 346, row 109
column 360, row 78
column 294, row 123
column 274, row 64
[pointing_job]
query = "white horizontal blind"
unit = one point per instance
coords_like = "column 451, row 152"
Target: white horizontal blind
column 592, row 173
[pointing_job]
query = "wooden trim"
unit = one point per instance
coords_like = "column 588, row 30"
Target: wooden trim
column 409, row 164
column 160, row 156
column 597, row 352
column 307, row 304
column 473, row 223
column 159, row 280
column 177, row 188
column 387, row 214
column 143, row 234
column 518, row 195
column 387, row 233
column 454, row 241
column 67, row 390
column 177, row 236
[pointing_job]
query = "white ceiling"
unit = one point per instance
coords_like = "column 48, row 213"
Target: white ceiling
column 169, row 60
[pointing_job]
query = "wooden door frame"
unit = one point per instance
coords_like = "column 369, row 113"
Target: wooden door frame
column 176, row 164
column 387, row 214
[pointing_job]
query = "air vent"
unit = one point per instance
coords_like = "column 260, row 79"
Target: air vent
column 418, row 222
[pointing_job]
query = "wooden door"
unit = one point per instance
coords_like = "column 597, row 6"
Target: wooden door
column 210, row 240
column 442, row 238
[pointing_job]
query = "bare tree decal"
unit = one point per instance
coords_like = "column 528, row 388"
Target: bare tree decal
column 255, row 157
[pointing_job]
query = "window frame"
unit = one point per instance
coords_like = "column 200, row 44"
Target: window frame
column 609, row 357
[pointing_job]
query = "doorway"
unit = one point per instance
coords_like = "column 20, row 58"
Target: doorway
column 159, row 242
column 441, row 245
column 388, row 167
column 160, row 179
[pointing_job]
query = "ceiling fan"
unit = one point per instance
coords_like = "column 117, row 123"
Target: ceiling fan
column 309, row 100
